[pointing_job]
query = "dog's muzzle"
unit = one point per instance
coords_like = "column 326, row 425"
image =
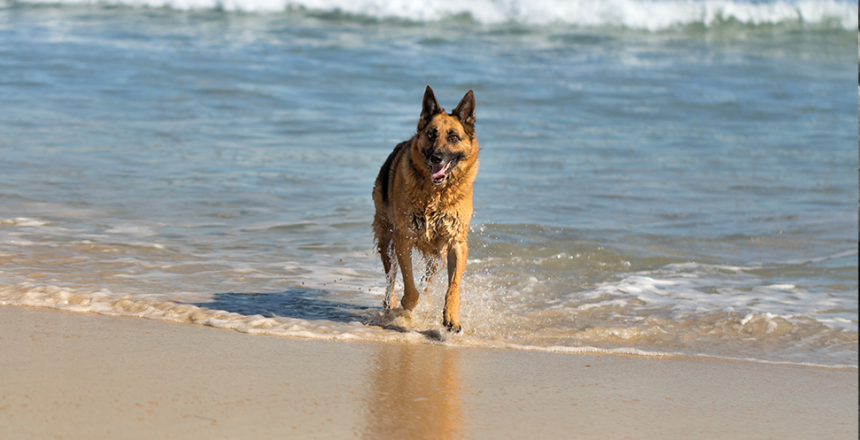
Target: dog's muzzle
column 441, row 165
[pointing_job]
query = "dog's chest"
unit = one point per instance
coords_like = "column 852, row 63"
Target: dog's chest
column 432, row 226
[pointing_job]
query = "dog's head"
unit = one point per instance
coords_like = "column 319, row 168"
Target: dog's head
column 445, row 141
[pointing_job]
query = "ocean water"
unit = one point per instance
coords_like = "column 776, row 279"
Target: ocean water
column 657, row 177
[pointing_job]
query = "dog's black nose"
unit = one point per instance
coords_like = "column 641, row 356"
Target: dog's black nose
column 436, row 158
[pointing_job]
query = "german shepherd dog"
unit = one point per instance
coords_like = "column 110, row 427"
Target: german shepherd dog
column 423, row 199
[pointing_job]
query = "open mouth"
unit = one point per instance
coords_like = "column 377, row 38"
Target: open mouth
column 439, row 172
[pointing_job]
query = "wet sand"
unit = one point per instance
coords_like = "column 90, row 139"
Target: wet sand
column 85, row 376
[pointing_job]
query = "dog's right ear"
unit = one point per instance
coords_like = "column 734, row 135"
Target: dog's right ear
column 429, row 108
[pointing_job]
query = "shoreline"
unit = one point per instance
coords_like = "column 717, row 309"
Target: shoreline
column 82, row 375
column 227, row 317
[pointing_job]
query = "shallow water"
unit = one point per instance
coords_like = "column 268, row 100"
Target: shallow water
column 685, row 188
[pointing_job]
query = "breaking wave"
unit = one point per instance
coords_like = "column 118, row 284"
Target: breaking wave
column 634, row 14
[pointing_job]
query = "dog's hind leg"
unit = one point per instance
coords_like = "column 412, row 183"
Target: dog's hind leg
column 403, row 249
column 389, row 264
column 457, row 255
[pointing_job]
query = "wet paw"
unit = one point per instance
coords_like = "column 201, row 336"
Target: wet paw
column 453, row 328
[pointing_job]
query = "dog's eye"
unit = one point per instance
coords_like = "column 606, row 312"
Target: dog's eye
column 454, row 138
column 431, row 135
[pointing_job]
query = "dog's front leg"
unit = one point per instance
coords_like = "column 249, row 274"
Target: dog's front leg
column 403, row 248
column 457, row 255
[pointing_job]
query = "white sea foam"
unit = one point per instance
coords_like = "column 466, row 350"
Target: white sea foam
column 160, row 308
column 117, row 304
column 375, row 326
column 780, row 286
column 635, row 14
column 693, row 288
column 23, row 222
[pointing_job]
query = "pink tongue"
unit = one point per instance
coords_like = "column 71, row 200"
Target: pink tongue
column 438, row 171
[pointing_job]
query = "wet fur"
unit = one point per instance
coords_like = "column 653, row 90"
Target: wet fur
column 413, row 212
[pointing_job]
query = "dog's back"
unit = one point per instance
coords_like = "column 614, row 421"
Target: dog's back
column 383, row 180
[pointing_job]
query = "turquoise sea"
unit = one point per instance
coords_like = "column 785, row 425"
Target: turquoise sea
column 657, row 177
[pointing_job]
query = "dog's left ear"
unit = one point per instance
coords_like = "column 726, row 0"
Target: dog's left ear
column 465, row 110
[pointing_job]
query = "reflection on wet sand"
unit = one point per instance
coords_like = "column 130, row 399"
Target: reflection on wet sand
column 414, row 392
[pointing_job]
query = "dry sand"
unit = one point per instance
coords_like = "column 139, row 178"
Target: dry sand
column 84, row 376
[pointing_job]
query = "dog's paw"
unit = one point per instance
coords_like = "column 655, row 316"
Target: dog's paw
column 453, row 328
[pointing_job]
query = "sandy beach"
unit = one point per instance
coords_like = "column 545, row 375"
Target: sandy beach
column 663, row 242
column 85, row 376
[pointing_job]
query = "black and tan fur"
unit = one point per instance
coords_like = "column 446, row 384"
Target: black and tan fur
column 423, row 199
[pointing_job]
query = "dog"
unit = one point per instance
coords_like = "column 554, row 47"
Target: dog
column 423, row 201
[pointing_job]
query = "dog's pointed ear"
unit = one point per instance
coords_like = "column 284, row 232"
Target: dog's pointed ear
column 430, row 106
column 465, row 110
